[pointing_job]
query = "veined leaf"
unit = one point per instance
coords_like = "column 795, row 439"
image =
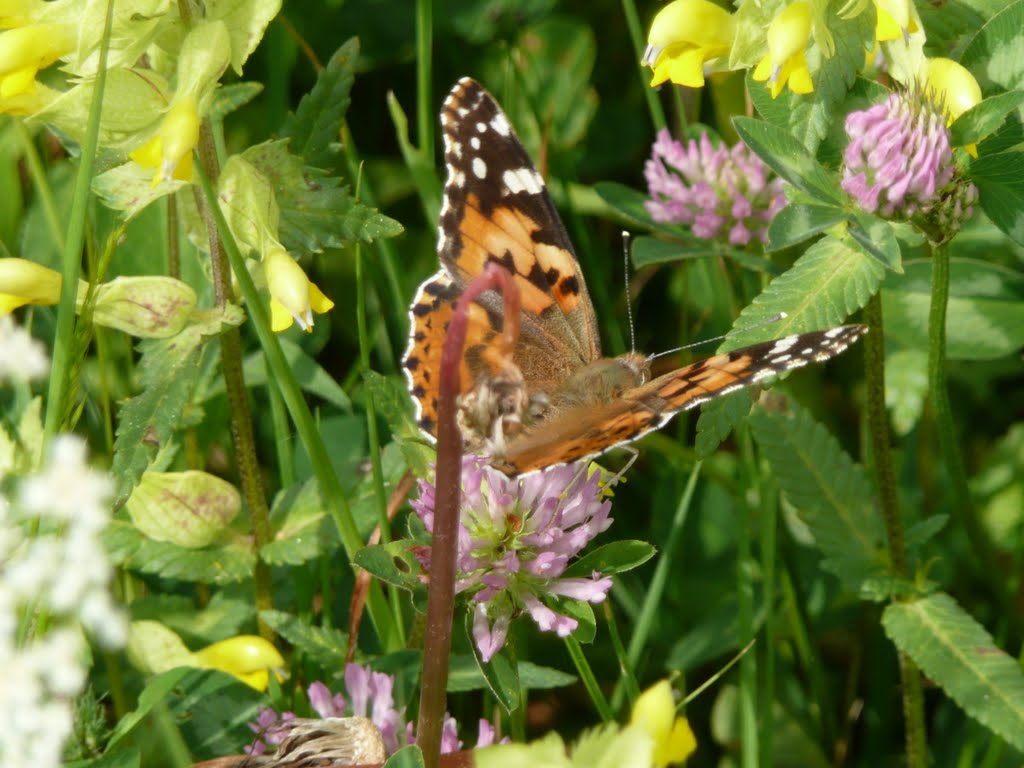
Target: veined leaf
column 314, row 128
column 1000, row 182
column 216, row 565
column 831, row 492
column 789, row 158
column 464, row 675
column 302, row 529
column 798, row 222
column 958, row 653
column 985, row 117
column 718, row 418
column 993, row 55
column 325, row 646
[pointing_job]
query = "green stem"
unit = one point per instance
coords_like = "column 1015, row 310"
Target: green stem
column 749, row 733
column 424, row 65
column 878, row 426
column 282, row 431
column 768, row 495
column 234, row 386
column 333, row 495
column 588, row 679
column 71, row 256
column 628, row 679
column 962, row 507
column 173, row 242
column 41, row 185
column 636, row 35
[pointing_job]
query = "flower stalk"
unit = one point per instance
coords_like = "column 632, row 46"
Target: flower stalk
column 437, row 641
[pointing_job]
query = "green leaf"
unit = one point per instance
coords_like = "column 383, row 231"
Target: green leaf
column 831, row 492
column 906, row 387
column 788, row 158
column 984, row 317
column 616, row 557
column 822, row 289
column 392, row 401
column 308, row 373
column 993, row 56
column 217, row 565
column 1000, row 182
column 717, row 419
column 213, row 711
column 407, row 757
column 798, row 222
column 628, row 203
column 154, row 693
column 317, row 211
column 129, row 757
column 129, row 188
column 228, row 98
column 500, row 674
column 878, row 239
column 168, row 369
column 464, row 675
column 314, row 128
column 325, row 646
column 649, row 250
column 302, row 529
column 958, row 654
column 583, row 612
column 394, row 563
column 984, row 118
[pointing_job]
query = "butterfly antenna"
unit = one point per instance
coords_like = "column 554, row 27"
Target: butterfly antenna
column 768, row 321
column 627, row 239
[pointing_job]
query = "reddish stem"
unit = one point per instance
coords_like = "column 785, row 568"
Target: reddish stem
column 437, row 641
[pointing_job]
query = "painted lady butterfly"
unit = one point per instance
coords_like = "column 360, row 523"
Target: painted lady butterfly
column 496, row 208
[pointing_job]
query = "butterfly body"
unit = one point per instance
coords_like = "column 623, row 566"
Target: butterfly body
column 558, row 399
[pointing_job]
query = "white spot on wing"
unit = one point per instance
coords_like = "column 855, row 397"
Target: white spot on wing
column 475, row 142
column 500, row 124
column 481, row 127
column 479, row 168
column 522, row 180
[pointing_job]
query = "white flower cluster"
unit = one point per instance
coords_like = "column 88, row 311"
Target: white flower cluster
column 22, row 357
column 54, row 582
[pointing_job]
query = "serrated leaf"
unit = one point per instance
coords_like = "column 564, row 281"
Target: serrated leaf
column 984, row 118
column 878, row 239
column 213, row 711
column 1000, row 182
column 169, row 370
column 228, row 98
column 958, row 654
column 216, row 565
column 317, row 210
column 393, row 403
column 301, row 527
column 823, row 287
column 717, row 419
column 325, row 646
column 984, row 316
column 831, row 492
column 798, row 222
column 464, row 675
column 314, row 128
column 616, row 557
column 788, row 158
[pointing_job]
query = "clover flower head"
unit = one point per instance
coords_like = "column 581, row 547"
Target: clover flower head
column 722, row 193
column 899, row 160
column 370, row 695
column 684, row 36
column 516, row 538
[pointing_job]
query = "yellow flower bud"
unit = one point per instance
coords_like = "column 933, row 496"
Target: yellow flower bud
column 248, row 657
column 170, row 151
column 655, row 712
column 684, row 35
column 953, row 89
column 25, row 282
column 26, row 50
column 786, row 63
column 292, row 295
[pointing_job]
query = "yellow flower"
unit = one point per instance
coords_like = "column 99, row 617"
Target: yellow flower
column 893, row 20
column 655, row 712
column 170, row 151
column 248, row 657
column 25, row 282
column 684, row 35
column 35, row 98
column 787, row 42
column 953, row 89
column 292, row 295
column 26, row 50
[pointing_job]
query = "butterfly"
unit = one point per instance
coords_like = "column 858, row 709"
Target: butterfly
column 577, row 403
